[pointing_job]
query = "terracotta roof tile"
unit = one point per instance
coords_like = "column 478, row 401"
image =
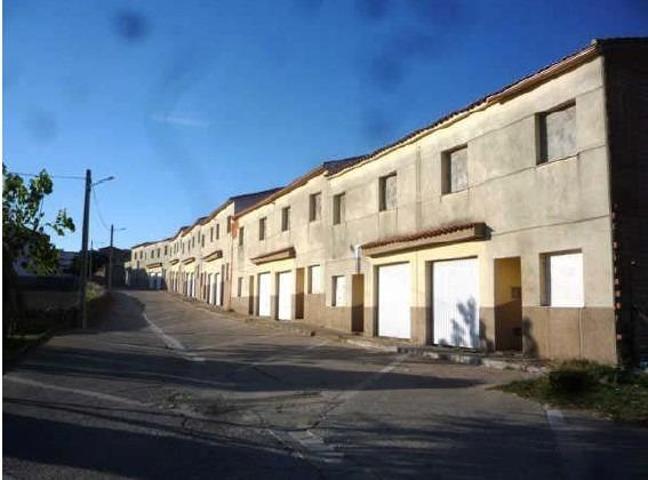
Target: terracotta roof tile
column 410, row 237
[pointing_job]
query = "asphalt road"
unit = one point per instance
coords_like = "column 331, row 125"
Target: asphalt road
column 165, row 389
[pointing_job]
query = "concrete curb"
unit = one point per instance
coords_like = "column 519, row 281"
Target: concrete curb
column 477, row 359
column 379, row 344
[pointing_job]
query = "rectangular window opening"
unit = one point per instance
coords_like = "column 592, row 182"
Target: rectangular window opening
column 556, row 130
column 262, row 228
column 315, row 207
column 388, row 188
column 285, row 219
column 338, row 298
column 314, row 279
column 563, row 282
column 338, row 208
column 454, row 170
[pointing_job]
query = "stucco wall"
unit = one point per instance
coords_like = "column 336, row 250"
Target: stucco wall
column 530, row 209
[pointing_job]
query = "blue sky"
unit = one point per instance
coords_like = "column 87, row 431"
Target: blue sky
column 189, row 102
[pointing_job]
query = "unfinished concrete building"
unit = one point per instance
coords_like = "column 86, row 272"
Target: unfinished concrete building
column 516, row 223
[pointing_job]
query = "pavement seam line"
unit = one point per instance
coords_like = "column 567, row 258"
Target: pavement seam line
column 348, row 394
column 77, row 391
column 172, row 343
column 272, row 358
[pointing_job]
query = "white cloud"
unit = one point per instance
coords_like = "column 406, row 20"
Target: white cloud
column 183, row 121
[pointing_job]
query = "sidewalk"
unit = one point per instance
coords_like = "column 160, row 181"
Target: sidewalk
column 497, row 360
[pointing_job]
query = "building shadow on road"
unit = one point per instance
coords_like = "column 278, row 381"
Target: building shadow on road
column 157, row 440
column 131, row 451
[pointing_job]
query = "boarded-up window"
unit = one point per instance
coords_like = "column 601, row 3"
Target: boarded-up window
column 557, row 134
column 285, row 219
column 388, row 192
column 314, row 279
column 563, row 280
column 339, row 291
column 455, row 170
column 338, row 208
column 315, row 207
column 262, row 228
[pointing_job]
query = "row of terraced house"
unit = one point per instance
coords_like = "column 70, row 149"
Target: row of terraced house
column 517, row 223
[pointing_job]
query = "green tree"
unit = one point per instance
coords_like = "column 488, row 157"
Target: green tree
column 24, row 227
column 25, row 232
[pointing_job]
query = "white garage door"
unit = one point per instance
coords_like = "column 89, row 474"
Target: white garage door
column 394, row 301
column 286, row 283
column 456, row 302
column 264, row 294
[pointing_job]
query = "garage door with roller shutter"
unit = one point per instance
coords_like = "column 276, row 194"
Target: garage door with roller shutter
column 285, row 295
column 394, row 301
column 455, row 299
column 264, row 295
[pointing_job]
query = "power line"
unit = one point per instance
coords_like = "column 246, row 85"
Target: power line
column 101, row 219
column 68, row 177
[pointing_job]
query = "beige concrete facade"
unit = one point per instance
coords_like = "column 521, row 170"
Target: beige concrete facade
column 328, row 262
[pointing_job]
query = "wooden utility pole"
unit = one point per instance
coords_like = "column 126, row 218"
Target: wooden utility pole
column 83, row 273
column 90, row 256
column 110, row 258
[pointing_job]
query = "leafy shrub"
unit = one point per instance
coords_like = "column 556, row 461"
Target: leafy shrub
column 570, row 380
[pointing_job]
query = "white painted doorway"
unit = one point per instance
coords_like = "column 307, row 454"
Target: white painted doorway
column 286, row 283
column 394, row 319
column 264, row 294
column 216, row 289
column 455, row 300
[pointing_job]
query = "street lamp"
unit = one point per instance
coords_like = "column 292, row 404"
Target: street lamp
column 107, row 179
column 84, row 244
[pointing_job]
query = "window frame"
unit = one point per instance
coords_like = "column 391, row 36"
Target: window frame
column 382, row 192
column 542, row 156
column 311, row 290
column 339, row 208
column 334, row 290
column 546, row 297
column 314, row 214
column 263, row 225
column 285, row 219
column 446, row 170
